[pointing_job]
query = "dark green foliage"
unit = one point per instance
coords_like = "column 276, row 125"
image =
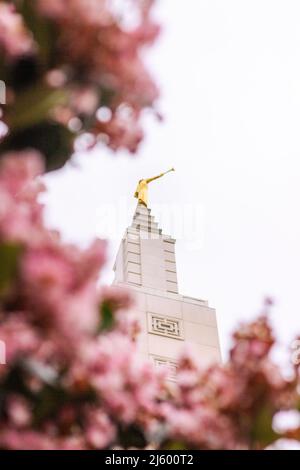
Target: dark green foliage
column 107, row 317
column 53, row 140
column 9, row 256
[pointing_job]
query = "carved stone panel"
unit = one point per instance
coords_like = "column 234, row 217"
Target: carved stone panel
column 165, row 326
column 167, row 363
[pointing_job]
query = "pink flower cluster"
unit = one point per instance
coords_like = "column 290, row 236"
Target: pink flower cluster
column 20, row 214
column 231, row 406
column 50, row 320
column 109, row 55
column 55, row 282
column 95, row 55
column 127, row 384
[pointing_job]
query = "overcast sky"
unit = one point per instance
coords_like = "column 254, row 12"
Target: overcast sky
column 229, row 72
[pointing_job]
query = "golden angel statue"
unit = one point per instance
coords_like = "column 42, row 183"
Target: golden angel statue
column 141, row 192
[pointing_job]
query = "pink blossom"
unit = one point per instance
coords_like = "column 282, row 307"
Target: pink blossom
column 59, row 285
column 13, row 439
column 116, row 298
column 15, row 39
column 99, row 430
column 46, row 268
column 18, row 411
column 121, row 133
column 19, row 337
column 89, row 11
column 20, row 212
column 18, row 170
column 118, row 377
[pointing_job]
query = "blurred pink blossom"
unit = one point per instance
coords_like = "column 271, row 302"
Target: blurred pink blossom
column 15, row 39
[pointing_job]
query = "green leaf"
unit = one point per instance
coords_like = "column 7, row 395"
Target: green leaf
column 42, row 29
column 174, row 445
column 47, row 403
column 9, row 257
column 132, row 436
column 263, row 433
column 107, row 317
column 34, row 105
column 53, row 140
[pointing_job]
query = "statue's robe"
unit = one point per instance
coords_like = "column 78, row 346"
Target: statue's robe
column 141, row 192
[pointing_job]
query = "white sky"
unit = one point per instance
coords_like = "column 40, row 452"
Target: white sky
column 230, row 79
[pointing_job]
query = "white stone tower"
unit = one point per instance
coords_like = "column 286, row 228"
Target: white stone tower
column 146, row 264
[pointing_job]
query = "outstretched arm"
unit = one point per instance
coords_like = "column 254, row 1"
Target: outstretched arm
column 154, row 178
column 159, row 176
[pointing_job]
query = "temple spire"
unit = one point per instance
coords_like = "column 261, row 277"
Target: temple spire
column 146, row 265
column 147, row 256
